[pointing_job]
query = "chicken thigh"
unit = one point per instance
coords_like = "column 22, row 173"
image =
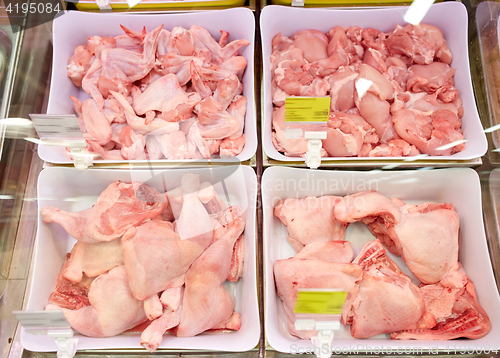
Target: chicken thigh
column 310, row 220
column 112, row 309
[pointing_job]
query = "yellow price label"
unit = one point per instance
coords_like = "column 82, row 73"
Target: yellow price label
column 307, row 109
column 320, row 301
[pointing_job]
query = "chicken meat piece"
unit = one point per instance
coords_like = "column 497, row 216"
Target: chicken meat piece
column 387, row 300
column 342, row 90
column 174, row 146
column 158, row 95
column 344, row 137
column 429, row 78
column 92, row 260
column 312, row 42
column 332, row 251
column 152, row 336
column 157, row 126
column 96, row 124
column 118, row 208
column 156, row 258
column 232, row 147
column 203, row 42
column 293, row 274
column 106, row 317
column 193, row 211
column 121, row 67
column 79, row 64
column 419, row 43
column 380, row 85
column 206, row 303
column 293, row 147
column 69, row 295
column 430, row 134
column 310, row 220
column 408, row 230
column 377, row 113
column 227, row 90
column 451, row 313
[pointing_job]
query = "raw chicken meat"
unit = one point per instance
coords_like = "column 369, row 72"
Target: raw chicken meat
column 206, row 302
column 387, row 300
column 293, row 274
column 452, row 313
column 152, row 336
column 395, row 66
column 382, row 299
column 152, row 81
column 332, row 251
column 159, row 257
column 106, row 317
column 92, row 260
column 408, row 230
column 118, row 208
column 70, row 295
column 310, row 220
column 156, row 258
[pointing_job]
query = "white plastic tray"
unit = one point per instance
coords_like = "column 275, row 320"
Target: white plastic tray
column 74, row 27
column 72, row 190
column 460, row 187
column 450, row 17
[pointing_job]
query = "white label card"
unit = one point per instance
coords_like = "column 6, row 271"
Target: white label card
column 63, row 126
column 39, row 322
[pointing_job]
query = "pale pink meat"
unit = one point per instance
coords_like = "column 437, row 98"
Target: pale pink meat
column 398, row 64
column 310, row 220
column 91, row 260
column 156, row 258
column 408, row 230
column 431, row 134
column 344, row 137
column 333, row 251
column 67, row 294
column 206, row 302
column 96, row 124
column 293, row 274
column 452, row 313
column 312, row 42
column 377, row 113
column 118, row 208
column 429, row 78
column 387, row 300
column 106, row 317
column 182, row 67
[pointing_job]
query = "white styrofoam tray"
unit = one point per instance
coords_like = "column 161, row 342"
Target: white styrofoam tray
column 460, row 187
column 74, row 27
column 449, row 17
column 72, row 190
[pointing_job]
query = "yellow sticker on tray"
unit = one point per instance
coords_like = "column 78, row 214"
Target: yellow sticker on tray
column 319, row 301
column 307, row 109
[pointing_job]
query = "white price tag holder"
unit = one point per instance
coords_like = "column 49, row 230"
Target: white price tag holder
column 321, row 309
column 52, row 324
column 63, row 130
column 307, row 117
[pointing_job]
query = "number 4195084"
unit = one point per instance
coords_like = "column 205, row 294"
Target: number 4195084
column 33, row 8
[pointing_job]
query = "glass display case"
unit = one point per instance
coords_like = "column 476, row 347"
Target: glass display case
column 25, row 79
